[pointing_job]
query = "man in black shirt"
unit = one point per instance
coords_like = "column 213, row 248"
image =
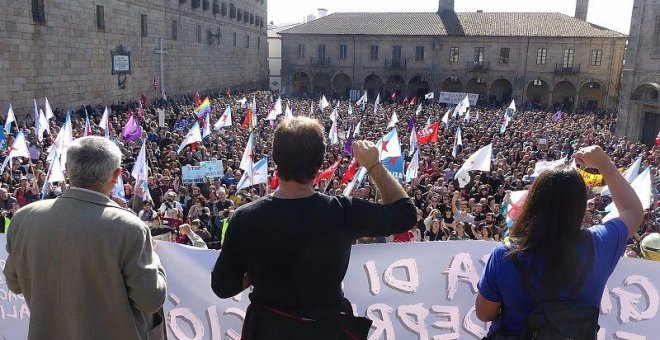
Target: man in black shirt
column 294, row 246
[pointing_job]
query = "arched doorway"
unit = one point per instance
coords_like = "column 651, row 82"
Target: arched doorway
column 373, row 84
column 418, row 86
column 592, row 96
column 452, row 84
column 301, row 82
column 478, row 86
column 342, row 85
column 646, row 92
column 395, row 84
column 563, row 95
column 500, row 92
column 538, row 92
column 322, row 84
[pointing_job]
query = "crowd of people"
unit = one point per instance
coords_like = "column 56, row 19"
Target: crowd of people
column 196, row 214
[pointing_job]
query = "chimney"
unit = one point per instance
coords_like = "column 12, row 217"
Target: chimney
column 446, row 6
column 581, row 9
column 322, row 12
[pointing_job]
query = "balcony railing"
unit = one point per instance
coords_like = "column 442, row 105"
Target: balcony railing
column 319, row 62
column 399, row 64
column 476, row 66
column 560, row 69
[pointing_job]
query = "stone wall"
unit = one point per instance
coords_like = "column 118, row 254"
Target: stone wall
column 68, row 58
column 520, row 71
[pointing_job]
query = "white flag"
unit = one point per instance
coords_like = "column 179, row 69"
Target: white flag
column 103, row 124
column 476, row 119
column 194, row 136
column 49, row 110
column 207, row 126
column 254, row 105
column 445, row 118
column 357, row 179
column 11, row 118
column 257, row 175
column 478, row 161
column 543, row 166
column 413, row 140
column 288, row 114
column 458, row 140
column 243, row 103
column 630, row 175
column 19, row 148
column 56, row 174
column 512, row 106
column 43, row 126
column 467, row 116
column 225, row 119
column 311, row 109
column 376, row 103
column 642, row 187
column 324, row 103
column 276, row 110
column 393, row 120
column 247, row 160
column 334, row 115
column 362, row 99
column 334, row 134
column 36, row 116
column 429, row 95
column 413, row 167
column 419, row 109
column 357, row 129
column 141, row 172
column 350, row 109
column 462, row 107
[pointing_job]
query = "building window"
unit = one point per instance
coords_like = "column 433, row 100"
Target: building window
column 596, row 57
column 216, row 7
column 100, row 18
column 343, row 51
column 396, row 54
column 247, row 45
column 246, row 17
column 321, row 52
column 453, row 54
column 232, row 11
column 541, row 56
column 301, row 51
column 38, row 12
column 569, row 55
column 144, row 29
column 251, row 19
column 373, row 53
column 223, row 9
column 479, row 56
column 235, row 39
column 174, row 30
column 205, row 5
column 504, row 55
column 419, row 53
column 239, row 15
column 199, row 34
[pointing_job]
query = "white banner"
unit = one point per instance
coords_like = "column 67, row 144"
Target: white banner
column 454, row 98
column 161, row 118
column 191, row 174
column 410, row 291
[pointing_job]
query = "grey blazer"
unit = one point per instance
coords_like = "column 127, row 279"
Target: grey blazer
column 87, row 269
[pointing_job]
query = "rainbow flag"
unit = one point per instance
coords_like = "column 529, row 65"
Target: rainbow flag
column 203, row 109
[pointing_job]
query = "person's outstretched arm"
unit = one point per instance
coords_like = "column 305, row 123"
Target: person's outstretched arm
column 627, row 203
column 366, row 154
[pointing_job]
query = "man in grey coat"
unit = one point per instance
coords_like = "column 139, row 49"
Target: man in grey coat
column 86, row 266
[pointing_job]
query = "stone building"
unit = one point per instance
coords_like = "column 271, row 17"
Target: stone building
column 639, row 109
column 61, row 49
column 275, row 55
column 542, row 58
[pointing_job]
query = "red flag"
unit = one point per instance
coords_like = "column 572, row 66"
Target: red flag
column 350, row 172
column 429, row 134
column 413, row 102
column 248, row 119
column 198, row 99
column 328, row 173
column 405, row 101
column 144, row 101
column 275, row 181
column 657, row 139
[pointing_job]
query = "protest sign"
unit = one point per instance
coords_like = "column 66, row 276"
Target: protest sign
column 191, row 174
column 410, row 291
column 454, row 98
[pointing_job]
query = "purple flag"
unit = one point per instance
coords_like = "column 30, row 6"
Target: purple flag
column 348, row 146
column 556, row 116
column 132, row 130
column 411, row 123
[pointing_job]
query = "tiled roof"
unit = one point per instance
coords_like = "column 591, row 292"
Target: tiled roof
column 491, row 24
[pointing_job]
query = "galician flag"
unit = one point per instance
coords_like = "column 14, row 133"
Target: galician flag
column 105, row 122
column 445, row 118
column 141, row 172
column 276, row 110
column 376, row 103
column 247, row 160
column 43, row 126
column 194, row 136
column 20, row 147
column 257, row 175
column 207, row 126
column 393, row 120
column 478, row 161
column 389, row 146
column 414, row 145
column 11, row 118
column 362, row 99
column 225, row 119
column 324, row 103
column 643, row 188
column 630, row 175
column 413, row 167
column 88, row 127
column 49, row 110
column 462, row 107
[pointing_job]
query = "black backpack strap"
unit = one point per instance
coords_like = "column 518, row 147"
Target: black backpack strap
column 526, row 281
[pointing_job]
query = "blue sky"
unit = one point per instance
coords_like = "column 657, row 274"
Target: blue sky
column 613, row 14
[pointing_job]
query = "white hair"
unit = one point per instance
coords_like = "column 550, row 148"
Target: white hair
column 91, row 161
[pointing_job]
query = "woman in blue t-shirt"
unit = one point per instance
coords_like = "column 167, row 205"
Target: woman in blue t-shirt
column 563, row 261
